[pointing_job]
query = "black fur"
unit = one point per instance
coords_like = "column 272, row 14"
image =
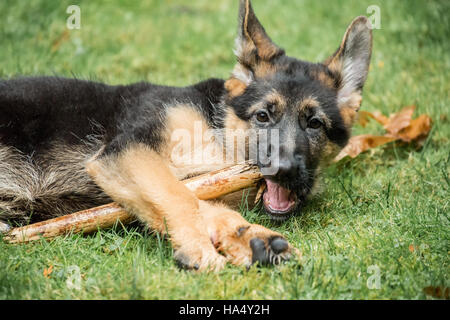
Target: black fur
column 35, row 112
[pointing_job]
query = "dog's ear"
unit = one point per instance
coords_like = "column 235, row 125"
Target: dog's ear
column 350, row 63
column 252, row 42
column 254, row 50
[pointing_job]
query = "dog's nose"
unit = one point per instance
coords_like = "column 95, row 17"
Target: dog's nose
column 290, row 166
column 284, row 166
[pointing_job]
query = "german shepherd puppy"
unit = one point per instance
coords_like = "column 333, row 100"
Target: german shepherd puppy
column 68, row 144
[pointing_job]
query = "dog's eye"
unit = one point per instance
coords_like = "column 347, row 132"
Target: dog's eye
column 262, row 116
column 314, row 123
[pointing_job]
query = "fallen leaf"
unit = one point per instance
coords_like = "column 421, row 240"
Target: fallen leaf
column 380, row 118
column 48, row 271
column 399, row 126
column 363, row 117
column 358, row 144
column 417, row 128
column 437, row 292
column 399, row 120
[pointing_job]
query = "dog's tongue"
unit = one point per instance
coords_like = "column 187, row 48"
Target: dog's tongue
column 276, row 197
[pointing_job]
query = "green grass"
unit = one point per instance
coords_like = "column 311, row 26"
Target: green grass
column 372, row 208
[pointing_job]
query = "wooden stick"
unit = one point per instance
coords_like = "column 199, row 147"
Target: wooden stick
column 207, row 186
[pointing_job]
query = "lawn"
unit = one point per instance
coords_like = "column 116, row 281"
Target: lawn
column 380, row 227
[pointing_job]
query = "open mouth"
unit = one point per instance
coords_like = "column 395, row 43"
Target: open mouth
column 278, row 201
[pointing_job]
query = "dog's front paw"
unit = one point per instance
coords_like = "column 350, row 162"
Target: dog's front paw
column 251, row 244
column 240, row 242
column 199, row 259
column 274, row 251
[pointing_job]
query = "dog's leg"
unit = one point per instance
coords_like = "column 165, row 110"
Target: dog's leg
column 140, row 180
column 243, row 243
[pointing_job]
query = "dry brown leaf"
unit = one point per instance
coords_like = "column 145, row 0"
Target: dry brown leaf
column 380, row 118
column 399, row 120
column 358, row 144
column 437, row 292
column 48, row 271
column 363, row 117
column 399, row 126
column 417, row 128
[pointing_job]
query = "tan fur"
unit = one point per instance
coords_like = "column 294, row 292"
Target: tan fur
column 353, row 102
column 236, row 133
column 184, row 121
column 277, row 100
column 334, row 63
column 233, row 122
column 348, row 116
column 350, row 108
column 265, row 69
column 309, row 102
column 235, row 87
column 274, row 98
column 325, row 79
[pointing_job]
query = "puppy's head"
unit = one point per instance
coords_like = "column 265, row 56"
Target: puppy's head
column 306, row 109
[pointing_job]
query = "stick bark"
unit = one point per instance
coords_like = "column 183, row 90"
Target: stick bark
column 207, row 186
